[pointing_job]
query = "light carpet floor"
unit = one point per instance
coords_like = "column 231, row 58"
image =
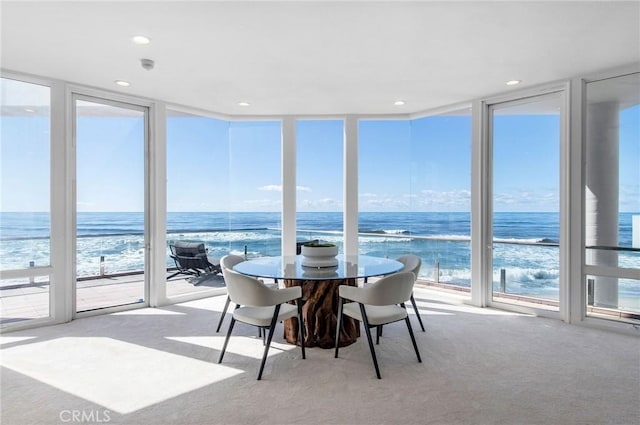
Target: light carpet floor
column 480, row 366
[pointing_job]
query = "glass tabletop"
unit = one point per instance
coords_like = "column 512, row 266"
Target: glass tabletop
column 349, row 267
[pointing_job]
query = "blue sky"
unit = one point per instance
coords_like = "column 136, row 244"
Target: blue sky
column 215, row 165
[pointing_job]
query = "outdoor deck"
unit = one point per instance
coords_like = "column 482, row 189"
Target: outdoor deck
column 31, row 301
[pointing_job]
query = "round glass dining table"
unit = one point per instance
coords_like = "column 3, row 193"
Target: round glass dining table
column 320, row 294
column 291, row 268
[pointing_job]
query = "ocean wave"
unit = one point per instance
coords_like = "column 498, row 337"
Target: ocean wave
column 462, row 238
column 381, row 239
column 528, row 277
column 222, row 236
column 525, row 240
column 386, row 231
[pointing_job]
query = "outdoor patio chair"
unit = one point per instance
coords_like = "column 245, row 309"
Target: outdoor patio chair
column 377, row 305
column 191, row 259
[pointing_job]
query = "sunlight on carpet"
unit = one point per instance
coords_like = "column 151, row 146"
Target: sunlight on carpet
column 118, row 375
column 149, row 312
column 240, row 345
column 10, row 339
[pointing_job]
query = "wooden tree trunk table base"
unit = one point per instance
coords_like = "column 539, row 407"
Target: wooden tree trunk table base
column 319, row 313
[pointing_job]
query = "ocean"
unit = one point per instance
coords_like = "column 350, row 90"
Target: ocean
column 525, row 244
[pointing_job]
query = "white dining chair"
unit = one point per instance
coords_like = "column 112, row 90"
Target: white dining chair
column 412, row 263
column 228, row 262
column 380, row 303
column 261, row 306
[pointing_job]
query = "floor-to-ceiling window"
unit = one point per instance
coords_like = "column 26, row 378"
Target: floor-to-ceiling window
column 612, row 198
column 441, row 185
column 197, row 194
column 239, row 177
column 319, row 180
column 525, row 140
column 223, row 190
column 414, row 193
column 384, row 187
column 110, row 140
column 25, row 229
column 255, row 187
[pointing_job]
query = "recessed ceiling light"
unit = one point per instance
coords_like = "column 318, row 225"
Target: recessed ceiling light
column 141, row 39
column 122, row 83
column 513, row 82
column 244, row 104
column 399, row 102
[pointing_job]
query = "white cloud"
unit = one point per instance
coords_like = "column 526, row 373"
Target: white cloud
column 271, row 188
column 257, row 205
column 426, row 200
column 452, row 200
column 278, row 188
column 527, row 201
column 324, row 204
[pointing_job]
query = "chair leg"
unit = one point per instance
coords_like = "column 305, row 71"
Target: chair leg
column 301, row 327
column 272, row 328
column 415, row 308
column 224, row 311
column 413, row 338
column 378, row 334
column 226, row 340
column 338, row 325
column 368, row 332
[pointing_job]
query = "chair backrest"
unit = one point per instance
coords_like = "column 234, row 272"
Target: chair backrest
column 412, row 263
column 392, row 289
column 246, row 290
column 188, row 249
column 228, row 261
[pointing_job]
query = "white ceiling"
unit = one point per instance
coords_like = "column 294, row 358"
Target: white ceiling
column 318, row 57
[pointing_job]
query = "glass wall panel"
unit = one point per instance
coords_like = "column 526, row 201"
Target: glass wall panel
column 319, row 180
column 526, row 206
column 198, row 196
column 25, row 146
column 385, row 201
column 612, row 195
column 441, row 185
column 414, row 193
column 223, row 190
column 255, row 184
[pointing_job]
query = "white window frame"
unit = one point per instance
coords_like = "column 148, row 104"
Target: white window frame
column 482, row 204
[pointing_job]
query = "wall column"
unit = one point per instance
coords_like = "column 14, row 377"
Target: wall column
column 288, row 167
column 601, row 196
column 350, row 194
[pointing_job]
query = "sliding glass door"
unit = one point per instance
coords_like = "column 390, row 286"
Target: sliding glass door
column 525, row 142
column 111, row 231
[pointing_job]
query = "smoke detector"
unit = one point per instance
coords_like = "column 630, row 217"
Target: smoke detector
column 147, row 64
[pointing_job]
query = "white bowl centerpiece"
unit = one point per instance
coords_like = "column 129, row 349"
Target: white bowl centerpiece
column 319, row 254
